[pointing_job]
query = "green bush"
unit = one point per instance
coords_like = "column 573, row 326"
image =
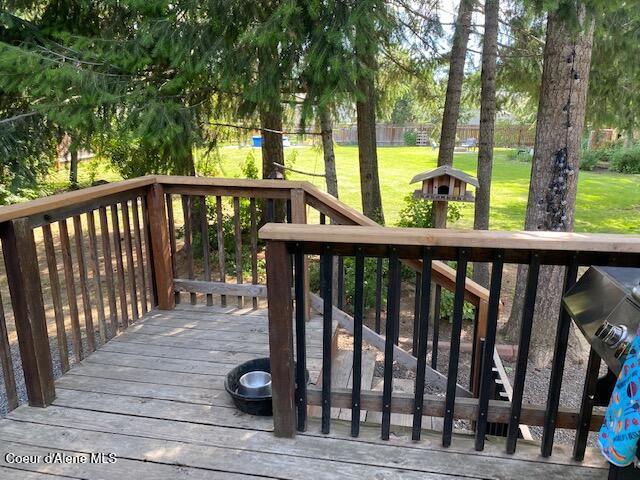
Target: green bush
column 418, row 213
column 410, row 138
column 590, row 158
column 520, row 156
column 626, row 160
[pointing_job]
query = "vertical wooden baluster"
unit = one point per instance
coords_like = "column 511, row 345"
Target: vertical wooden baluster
column 172, row 242
column 436, row 327
column 301, row 362
column 122, row 288
column 416, row 314
column 358, row 309
column 131, row 268
column 270, row 210
column 84, row 287
column 108, row 266
column 323, row 219
column 486, row 364
column 139, row 257
column 6, row 361
column 97, row 279
column 523, row 352
column 146, row 225
column 188, row 241
column 288, row 211
column 327, row 334
column 238, row 242
column 56, row 297
column 254, row 247
column 204, row 234
column 221, row 253
column 72, row 296
column 378, row 295
column 586, row 405
column 281, row 340
column 421, row 339
column 557, row 365
column 454, row 352
column 391, row 327
column 23, row 278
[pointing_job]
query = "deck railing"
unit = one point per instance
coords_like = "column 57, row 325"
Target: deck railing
column 80, row 267
column 534, row 249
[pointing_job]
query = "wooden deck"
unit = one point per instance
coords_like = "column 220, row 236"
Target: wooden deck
column 154, row 397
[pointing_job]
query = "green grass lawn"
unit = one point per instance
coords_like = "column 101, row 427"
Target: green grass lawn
column 607, row 202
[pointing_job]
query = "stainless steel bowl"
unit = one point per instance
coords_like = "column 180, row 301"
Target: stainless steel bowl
column 255, row 384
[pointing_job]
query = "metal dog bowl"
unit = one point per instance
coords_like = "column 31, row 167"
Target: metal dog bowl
column 255, row 384
column 248, row 375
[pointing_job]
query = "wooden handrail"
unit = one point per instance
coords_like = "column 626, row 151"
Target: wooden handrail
column 77, row 197
column 484, row 239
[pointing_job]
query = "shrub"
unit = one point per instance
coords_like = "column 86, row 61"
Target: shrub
column 418, row 213
column 410, row 138
column 590, row 158
column 520, row 156
column 626, row 160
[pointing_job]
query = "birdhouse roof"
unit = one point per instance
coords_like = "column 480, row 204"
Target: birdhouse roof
column 445, row 170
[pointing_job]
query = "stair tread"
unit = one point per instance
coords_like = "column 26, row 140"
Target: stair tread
column 366, row 379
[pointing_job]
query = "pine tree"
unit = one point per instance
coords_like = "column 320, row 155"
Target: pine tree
column 487, row 124
column 554, row 172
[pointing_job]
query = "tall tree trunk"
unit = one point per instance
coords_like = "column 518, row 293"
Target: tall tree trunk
column 326, row 130
column 270, row 110
column 452, row 99
column 554, row 177
column 487, row 126
column 272, row 150
column 366, row 122
column 73, row 167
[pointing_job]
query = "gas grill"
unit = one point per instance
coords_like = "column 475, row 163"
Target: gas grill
column 605, row 304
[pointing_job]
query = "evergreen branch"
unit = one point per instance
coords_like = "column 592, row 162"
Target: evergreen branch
column 17, row 117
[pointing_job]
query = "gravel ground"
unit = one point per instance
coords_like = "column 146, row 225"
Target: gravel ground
column 20, row 386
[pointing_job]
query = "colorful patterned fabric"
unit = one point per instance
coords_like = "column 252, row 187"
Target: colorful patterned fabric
column 620, row 432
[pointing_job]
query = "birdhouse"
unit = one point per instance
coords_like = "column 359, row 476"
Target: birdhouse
column 445, row 184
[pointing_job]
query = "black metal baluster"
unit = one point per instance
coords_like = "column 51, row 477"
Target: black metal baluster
column 436, row 327
column 523, row 352
column 421, row 338
column 327, row 334
column 289, row 212
column 416, row 315
column 357, row 342
column 486, row 374
column 454, row 352
column 378, row 294
column 393, row 304
column 341, row 283
column 474, row 338
column 586, row 406
column 323, row 219
column 557, row 366
column 271, row 210
column 301, row 358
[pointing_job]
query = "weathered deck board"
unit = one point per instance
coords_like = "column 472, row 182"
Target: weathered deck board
column 160, row 406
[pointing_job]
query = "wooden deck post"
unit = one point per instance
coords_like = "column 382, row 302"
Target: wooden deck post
column 160, row 248
column 23, row 276
column 299, row 215
column 281, row 339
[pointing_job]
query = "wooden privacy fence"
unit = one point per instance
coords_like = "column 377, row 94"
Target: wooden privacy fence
column 534, row 249
column 506, row 136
